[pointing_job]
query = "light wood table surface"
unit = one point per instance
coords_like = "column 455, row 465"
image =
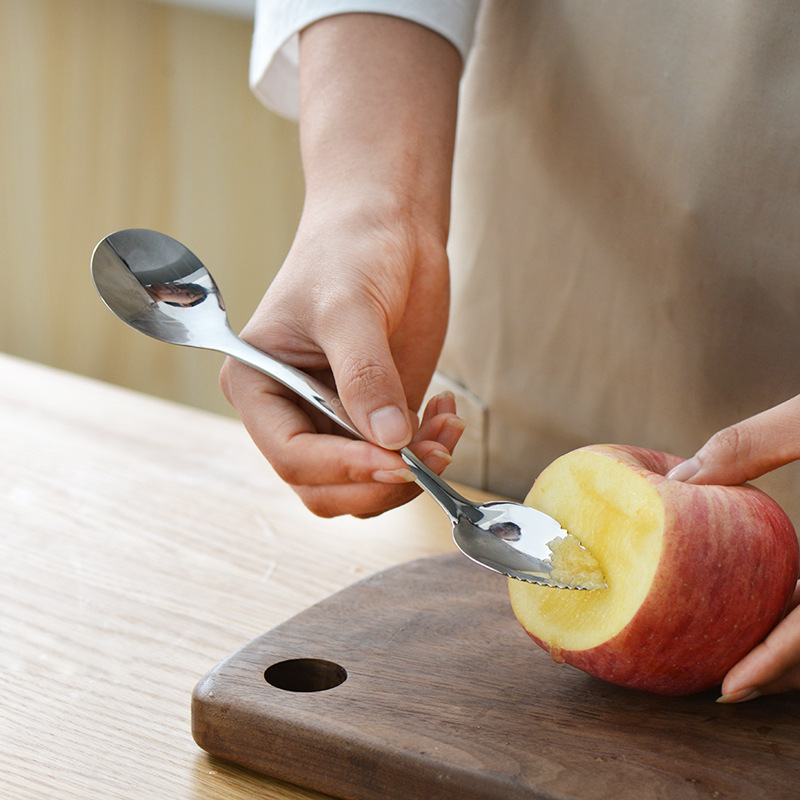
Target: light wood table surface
column 140, row 543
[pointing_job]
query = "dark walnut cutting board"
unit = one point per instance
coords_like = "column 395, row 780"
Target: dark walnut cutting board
column 446, row 697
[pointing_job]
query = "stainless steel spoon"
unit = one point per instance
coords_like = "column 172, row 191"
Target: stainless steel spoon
column 157, row 286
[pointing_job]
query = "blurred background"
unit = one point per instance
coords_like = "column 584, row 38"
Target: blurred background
column 134, row 113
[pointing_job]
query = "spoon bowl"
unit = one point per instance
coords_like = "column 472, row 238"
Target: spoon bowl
column 159, row 287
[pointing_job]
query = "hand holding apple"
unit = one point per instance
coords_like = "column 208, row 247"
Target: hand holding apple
column 773, row 666
column 741, row 452
column 746, row 450
column 697, row 575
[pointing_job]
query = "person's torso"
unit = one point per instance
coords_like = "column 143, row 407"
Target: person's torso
column 625, row 223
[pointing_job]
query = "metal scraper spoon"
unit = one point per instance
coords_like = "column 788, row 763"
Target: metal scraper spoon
column 157, row 286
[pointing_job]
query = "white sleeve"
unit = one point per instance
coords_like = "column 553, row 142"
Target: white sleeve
column 274, row 55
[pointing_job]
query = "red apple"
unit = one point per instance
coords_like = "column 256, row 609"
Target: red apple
column 697, row 575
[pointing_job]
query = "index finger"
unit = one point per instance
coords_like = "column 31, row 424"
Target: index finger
column 288, row 437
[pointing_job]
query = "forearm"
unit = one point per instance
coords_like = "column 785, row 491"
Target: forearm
column 378, row 114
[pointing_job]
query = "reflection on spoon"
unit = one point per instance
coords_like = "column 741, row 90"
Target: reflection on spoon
column 184, row 295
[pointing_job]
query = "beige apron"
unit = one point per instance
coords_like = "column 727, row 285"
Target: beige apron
column 626, row 230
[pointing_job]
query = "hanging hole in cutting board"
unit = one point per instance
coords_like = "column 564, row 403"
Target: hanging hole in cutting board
column 305, row 675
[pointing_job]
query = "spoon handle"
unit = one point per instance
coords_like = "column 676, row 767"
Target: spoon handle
column 309, row 388
column 326, row 400
column 452, row 503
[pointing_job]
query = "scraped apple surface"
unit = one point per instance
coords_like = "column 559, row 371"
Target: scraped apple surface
column 696, row 575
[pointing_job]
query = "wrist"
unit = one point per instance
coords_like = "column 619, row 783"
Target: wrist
column 375, row 211
column 377, row 125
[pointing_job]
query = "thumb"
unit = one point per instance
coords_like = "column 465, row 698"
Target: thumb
column 369, row 385
column 746, row 450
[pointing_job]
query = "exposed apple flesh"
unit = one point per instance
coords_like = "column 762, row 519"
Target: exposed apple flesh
column 574, row 565
column 696, row 575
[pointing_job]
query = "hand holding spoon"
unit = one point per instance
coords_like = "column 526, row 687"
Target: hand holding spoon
column 157, row 286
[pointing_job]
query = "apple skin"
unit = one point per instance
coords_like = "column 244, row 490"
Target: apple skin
column 728, row 567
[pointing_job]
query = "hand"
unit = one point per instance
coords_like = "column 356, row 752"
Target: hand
column 746, row 450
column 735, row 455
column 348, row 304
column 773, row 666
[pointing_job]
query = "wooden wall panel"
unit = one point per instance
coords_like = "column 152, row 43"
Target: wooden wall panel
column 122, row 113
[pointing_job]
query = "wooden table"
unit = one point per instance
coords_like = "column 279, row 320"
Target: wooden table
column 140, row 543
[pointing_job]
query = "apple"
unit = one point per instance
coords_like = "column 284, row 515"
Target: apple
column 696, row 575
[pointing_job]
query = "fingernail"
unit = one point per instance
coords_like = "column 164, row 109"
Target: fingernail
column 393, row 476
column 442, row 402
column 438, row 459
column 451, row 432
column 684, row 470
column 456, row 423
column 389, row 427
column 740, row 695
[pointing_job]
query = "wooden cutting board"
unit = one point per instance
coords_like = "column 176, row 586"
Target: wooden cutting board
column 446, row 697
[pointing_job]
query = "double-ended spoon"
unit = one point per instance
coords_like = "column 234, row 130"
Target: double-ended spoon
column 157, row 286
